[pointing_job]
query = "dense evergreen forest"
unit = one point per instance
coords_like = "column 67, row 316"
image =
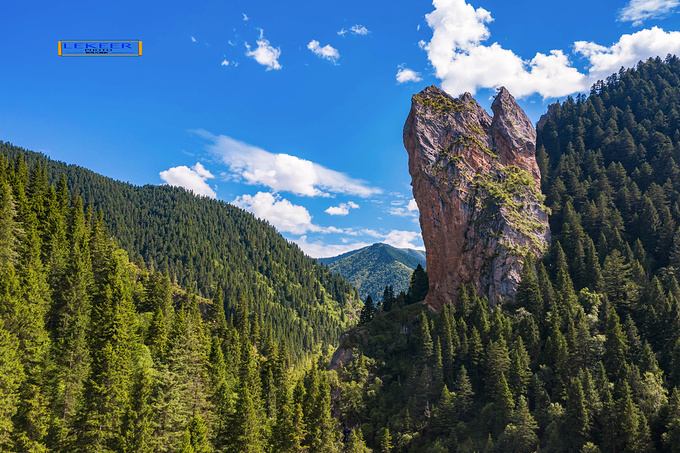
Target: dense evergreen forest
column 203, row 341
column 587, row 358
column 98, row 354
column 200, row 243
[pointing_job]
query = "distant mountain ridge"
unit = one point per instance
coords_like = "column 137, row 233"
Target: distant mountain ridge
column 202, row 242
column 372, row 268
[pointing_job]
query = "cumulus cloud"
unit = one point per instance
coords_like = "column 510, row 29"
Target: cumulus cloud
column 283, row 172
column 225, row 62
column 396, row 238
column 265, row 53
column 408, row 75
column 193, row 39
column 245, row 18
column 403, row 239
column 317, row 249
column 464, row 63
column 192, row 179
column 410, row 210
column 342, row 209
column 628, row 50
column 355, row 30
column 638, row 11
column 281, row 213
column 327, row 52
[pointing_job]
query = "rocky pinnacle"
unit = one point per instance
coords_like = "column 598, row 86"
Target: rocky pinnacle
column 477, row 186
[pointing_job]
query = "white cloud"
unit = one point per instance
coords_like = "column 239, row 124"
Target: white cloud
column 317, row 249
column 281, row 213
column 327, row 52
column 395, row 238
column 342, row 209
column 638, row 11
column 410, row 210
column 283, row 172
column 355, row 30
column 192, row 179
column 408, row 75
column 401, row 212
column 193, row 39
column 464, row 63
column 225, row 62
column 245, row 18
column 359, row 30
column 403, row 239
column 628, row 51
column 265, row 54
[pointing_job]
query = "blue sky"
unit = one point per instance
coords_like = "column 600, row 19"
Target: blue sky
column 294, row 110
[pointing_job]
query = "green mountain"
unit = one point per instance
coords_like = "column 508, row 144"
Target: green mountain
column 372, row 268
column 587, row 356
column 101, row 354
column 201, row 242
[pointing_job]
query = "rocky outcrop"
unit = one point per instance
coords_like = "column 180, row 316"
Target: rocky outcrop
column 477, row 186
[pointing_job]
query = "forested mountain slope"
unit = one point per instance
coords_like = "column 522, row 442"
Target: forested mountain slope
column 373, row 268
column 99, row 354
column 203, row 242
column 587, row 358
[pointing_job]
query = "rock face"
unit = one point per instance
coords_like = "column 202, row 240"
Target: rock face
column 477, row 186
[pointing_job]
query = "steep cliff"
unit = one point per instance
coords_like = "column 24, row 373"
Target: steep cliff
column 477, row 186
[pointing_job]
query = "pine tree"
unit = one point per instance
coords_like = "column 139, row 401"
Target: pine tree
column 137, row 424
column 528, row 291
column 388, row 298
column 615, row 347
column 69, row 321
column 112, row 340
column 504, row 402
column 671, row 438
column 386, row 441
column 325, row 425
column 27, row 322
column 519, row 373
column 289, row 431
column 577, row 420
column 157, row 336
column 11, row 377
column 464, row 394
column 183, row 383
column 197, row 434
column 419, row 285
column 355, row 442
column 217, row 320
column 425, row 345
column 519, row 435
column 247, row 422
column 368, row 310
column 497, row 365
column 9, row 229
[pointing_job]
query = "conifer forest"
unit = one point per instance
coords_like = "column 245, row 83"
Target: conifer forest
column 147, row 319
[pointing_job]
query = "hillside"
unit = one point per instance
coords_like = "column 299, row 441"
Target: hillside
column 201, row 242
column 101, row 354
column 586, row 358
column 372, row 268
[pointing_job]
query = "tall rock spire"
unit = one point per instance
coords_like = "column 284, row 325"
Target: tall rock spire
column 477, row 186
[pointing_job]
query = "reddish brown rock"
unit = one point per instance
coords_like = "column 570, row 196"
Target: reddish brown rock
column 477, row 186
